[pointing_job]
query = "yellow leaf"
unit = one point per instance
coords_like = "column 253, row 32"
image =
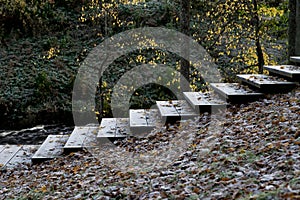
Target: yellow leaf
column 119, row 174
column 231, row 149
column 286, row 144
column 270, row 146
column 282, row 119
column 44, row 188
column 242, row 151
column 75, row 169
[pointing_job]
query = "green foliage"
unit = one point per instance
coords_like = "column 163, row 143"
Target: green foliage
column 43, row 85
column 117, row 16
column 36, row 17
column 229, row 32
column 37, row 74
column 43, row 68
column 146, row 96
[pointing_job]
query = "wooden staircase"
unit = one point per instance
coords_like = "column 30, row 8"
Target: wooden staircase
column 250, row 88
column 14, row 155
column 267, row 84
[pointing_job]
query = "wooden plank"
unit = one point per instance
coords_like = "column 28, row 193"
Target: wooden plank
column 51, row 148
column 76, row 139
column 23, row 156
column 2, row 147
column 107, row 128
column 112, row 128
column 143, row 120
column 8, row 153
column 166, row 108
column 167, row 111
column 204, row 102
column 290, row 72
column 266, row 84
column 172, row 111
column 91, row 140
column 122, row 127
column 152, row 117
column 295, row 59
column 82, row 137
column 137, row 118
column 235, row 93
column 184, row 110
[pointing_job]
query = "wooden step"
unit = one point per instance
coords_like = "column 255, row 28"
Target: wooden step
column 2, row 147
column 91, row 140
column 235, row 93
column 295, row 59
column 143, row 120
column 114, row 128
column 82, row 137
column 23, row 156
column 267, row 84
column 204, row 102
column 7, row 153
column 175, row 110
column 76, row 139
column 51, row 148
column 290, row 72
column 122, row 127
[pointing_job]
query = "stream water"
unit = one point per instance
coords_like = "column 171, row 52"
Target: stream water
column 35, row 135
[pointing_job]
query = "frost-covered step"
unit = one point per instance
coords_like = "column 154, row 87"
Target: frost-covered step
column 290, row 72
column 51, row 148
column 143, row 120
column 175, row 110
column 82, row 137
column 23, row 156
column 235, row 92
column 2, row 147
column 204, row 102
column 7, row 153
column 14, row 155
column 114, row 128
column 76, row 139
column 295, row 59
column 267, row 84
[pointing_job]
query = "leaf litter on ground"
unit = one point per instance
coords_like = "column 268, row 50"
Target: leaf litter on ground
column 255, row 155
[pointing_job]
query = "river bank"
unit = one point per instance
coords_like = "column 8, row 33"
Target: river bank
column 34, row 135
column 28, row 120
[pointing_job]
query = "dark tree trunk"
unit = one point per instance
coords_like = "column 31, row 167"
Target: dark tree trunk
column 260, row 56
column 99, row 102
column 292, row 27
column 297, row 42
column 259, row 52
column 185, row 28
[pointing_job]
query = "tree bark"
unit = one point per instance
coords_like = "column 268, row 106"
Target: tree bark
column 259, row 51
column 292, row 27
column 297, row 40
column 185, row 29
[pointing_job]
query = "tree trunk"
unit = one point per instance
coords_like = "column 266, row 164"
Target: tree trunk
column 259, row 51
column 185, row 29
column 297, row 40
column 292, row 27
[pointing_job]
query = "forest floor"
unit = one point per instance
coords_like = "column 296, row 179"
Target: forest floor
column 254, row 156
